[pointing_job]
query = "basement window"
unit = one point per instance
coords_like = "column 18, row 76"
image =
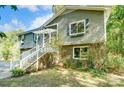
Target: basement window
column 80, row 52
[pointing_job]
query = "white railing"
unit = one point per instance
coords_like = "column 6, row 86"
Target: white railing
column 33, row 55
column 31, row 59
column 26, row 53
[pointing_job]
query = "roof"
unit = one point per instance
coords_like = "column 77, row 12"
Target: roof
column 75, row 7
column 30, row 31
column 45, row 31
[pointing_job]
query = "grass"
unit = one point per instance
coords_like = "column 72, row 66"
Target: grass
column 60, row 77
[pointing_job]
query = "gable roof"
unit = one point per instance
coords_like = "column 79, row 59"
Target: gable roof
column 74, row 7
column 82, row 7
column 26, row 32
column 30, row 31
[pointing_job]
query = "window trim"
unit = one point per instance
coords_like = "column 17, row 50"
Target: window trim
column 74, row 34
column 22, row 40
column 22, row 37
column 80, row 51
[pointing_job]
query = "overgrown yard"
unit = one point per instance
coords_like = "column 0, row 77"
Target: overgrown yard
column 60, row 77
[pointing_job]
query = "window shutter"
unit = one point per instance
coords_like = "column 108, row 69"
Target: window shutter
column 87, row 23
column 87, row 20
column 68, row 30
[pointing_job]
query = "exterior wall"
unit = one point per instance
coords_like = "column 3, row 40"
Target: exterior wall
column 29, row 41
column 95, row 50
column 95, row 34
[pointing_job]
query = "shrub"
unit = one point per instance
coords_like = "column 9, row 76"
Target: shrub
column 114, row 63
column 68, row 63
column 16, row 72
column 97, row 72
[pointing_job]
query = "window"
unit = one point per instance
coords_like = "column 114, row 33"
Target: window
column 22, row 39
column 78, row 27
column 80, row 52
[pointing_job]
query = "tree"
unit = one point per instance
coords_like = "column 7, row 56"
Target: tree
column 10, row 46
column 56, row 8
column 2, row 35
column 13, row 7
column 115, row 30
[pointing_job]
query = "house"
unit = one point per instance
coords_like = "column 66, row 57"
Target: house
column 77, row 27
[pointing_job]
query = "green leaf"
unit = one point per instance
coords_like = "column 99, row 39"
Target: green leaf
column 2, row 35
column 14, row 7
column 2, row 6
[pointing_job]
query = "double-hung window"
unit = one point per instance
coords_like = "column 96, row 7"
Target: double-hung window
column 78, row 27
column 80, row 52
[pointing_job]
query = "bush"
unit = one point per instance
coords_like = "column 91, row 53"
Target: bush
column 96, row 72
column 16, row 72
column 68, row 63
column 114, row 63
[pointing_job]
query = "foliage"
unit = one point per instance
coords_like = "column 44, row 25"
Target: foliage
column 16, row 72
column 97, row 56
column 114, row 63
column 115, row 30
column 97, row 72
column 56, row 8
column 2, row 35
column 9, row 47
column 115, row 41
column 71, row 64
column 13, row 7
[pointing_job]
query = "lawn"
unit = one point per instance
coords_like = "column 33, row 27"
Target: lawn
column 60, row 77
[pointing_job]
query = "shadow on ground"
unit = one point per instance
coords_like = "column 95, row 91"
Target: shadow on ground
column 60, row 77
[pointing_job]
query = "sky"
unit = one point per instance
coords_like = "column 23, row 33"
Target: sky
column 27, row 17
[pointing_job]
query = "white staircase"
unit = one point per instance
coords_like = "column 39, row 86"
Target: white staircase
column 31, row 56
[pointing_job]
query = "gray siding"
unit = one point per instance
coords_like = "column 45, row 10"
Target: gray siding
column 28, row 41
column 95, row 34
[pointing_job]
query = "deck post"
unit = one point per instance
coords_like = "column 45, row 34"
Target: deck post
column 20, row 64
column 50, row 39
column 37, row 53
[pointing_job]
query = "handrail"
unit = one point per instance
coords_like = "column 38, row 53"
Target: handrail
column 28, row 52
column 28, row 61
column 30, row 55
column 44, row 50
